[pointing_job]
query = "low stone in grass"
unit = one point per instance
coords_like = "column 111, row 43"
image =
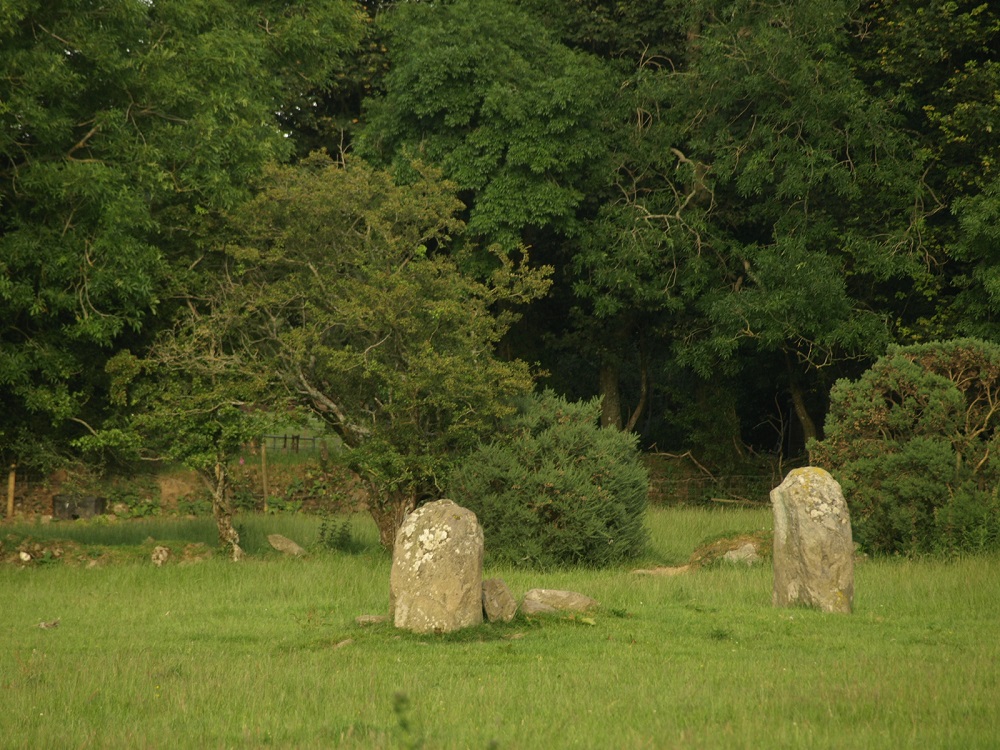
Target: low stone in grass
column 436, row 582
column 499, row 604
column 813, row 553
column 551, row 601
column 663, row 570
column 285, row 545
column 739, row 548
column 160, row 555
column 195, row 552
column 745, row 554
column 364, row 621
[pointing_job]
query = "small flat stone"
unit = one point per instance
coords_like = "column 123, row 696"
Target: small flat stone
column 664, row 570
column 285, row 545
column 547, row 601
column 366, row 620
column 745, row 554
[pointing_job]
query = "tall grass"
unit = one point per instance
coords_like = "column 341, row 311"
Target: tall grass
column 266, row 653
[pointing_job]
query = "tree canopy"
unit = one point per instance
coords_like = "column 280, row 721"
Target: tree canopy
column 740, row 203
column 125, row 128
column 341, row 288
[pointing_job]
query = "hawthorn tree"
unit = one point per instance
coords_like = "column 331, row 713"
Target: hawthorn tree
column 192, row 399
column 346, row 294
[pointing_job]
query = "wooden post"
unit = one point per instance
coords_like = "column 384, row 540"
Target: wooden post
column 11, row 484
column 263, row 468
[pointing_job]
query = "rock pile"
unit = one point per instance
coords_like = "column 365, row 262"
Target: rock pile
column 436, row 584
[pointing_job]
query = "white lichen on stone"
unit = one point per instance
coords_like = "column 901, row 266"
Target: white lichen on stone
column 431, row 540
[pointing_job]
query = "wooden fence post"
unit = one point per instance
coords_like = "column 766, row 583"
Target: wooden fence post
column 11, row 484
column 263, row 468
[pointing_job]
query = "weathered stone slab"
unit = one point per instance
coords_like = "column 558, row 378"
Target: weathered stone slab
column 72, row 507
column 285, row 545
column 499, row 604
column 549, row 601
column 813, row 548
column 436, row 582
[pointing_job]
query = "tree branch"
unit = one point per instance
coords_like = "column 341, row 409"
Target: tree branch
column 352, row 434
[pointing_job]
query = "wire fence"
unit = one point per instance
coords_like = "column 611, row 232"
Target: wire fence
column 703, row 490
column 32, row 488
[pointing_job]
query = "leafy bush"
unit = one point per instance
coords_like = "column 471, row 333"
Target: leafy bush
column 556, row 489
column 914, row 444
column 335, row 534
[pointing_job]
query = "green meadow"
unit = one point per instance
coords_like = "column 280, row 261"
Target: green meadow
column 266, row 653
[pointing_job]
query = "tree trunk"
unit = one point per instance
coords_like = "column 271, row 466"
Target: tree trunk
column 389, row 513
column 611, row 400
column 643, row 389
column 809, row 430
column 229, row 538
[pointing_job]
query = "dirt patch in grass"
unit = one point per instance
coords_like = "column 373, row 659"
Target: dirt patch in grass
column 178, row 485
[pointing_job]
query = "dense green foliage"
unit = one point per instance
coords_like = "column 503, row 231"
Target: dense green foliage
column 556, row 488
column 338, row 288
column 125, row 128
column 513, row 118
column 741, row 203
column 914, row 443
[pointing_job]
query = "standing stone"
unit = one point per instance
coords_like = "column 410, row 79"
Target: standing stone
column 813, row 550
column 436, row 582
column 499, row 604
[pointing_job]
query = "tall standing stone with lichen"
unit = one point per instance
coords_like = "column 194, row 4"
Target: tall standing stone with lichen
column 813, row 548
column 436, row 581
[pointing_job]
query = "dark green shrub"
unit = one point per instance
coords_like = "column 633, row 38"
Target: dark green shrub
column 914, row 444
column 556, row 489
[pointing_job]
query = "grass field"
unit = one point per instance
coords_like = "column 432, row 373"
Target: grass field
column 266, row 653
